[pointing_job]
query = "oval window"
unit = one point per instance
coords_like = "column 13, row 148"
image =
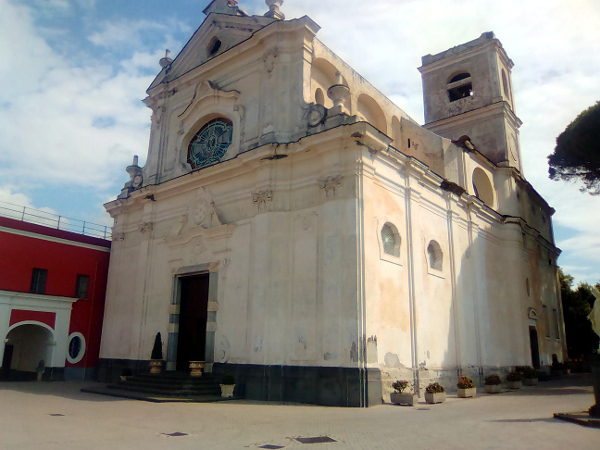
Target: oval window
column 76, row 348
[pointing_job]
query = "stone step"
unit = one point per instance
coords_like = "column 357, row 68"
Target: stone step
column 161, row 391
column 155, row 398
column 171, row 382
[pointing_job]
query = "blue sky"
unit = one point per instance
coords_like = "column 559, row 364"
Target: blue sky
column 74, row 73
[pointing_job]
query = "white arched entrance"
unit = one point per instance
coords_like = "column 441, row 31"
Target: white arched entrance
column 28, row 343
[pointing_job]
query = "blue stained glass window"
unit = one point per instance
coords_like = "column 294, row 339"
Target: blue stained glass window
column 210, row 143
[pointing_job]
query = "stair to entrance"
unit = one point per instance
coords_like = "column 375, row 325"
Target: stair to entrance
column 164, row 387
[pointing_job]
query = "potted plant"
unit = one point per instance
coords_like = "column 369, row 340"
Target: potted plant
column 530, row 376
column 156, row 359
column 435, row 393
column 227, row 386
column 466, row 387
column 125, row 374
column 491, row 384
column 399, row 397
column 514, row 380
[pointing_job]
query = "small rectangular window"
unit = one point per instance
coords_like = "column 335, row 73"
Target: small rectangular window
column 38, row 281
column 81, row 286
column 547, row 320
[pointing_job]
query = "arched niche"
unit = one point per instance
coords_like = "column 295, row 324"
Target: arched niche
column 370, row 110
column 435, row 255
column 323, row 76
column 390, row 239
column 483, row 188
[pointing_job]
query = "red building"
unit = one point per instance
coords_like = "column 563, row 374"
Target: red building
column 52, row 290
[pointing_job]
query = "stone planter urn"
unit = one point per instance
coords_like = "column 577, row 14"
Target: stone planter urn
column 492, row 388
column 227, row 390
column 530, row 381
column 466, row 393
column 156, row 366
column 514, row 384
column 196, row 368
column 399, row 398
column 437, row 397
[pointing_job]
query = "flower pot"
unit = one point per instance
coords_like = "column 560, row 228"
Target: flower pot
column 196, row 368
column 227, row 390
column 437, row 397
column 399, row 398
column 156, row 366
column 468, row 392
column 530, row 381
column 514, row 384
column 492, row 388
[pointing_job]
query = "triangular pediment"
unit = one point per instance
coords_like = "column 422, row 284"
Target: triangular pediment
column 229, row 7
column 217, row 34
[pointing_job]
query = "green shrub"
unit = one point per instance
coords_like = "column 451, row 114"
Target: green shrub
column 492, row 380
column 228, row 379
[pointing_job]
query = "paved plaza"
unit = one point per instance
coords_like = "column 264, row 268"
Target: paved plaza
column 48, row 416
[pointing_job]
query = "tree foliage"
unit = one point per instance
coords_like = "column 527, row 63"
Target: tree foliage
column 577, row 305
column 577, row 152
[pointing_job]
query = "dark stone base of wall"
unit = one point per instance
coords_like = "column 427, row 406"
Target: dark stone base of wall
column 50, row 374
column 81, row 374
column 327, row 386
column 109, row 370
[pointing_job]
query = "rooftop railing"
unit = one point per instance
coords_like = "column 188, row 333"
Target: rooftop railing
column 38, row 217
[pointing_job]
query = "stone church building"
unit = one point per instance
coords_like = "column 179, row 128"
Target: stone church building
column 295, row 228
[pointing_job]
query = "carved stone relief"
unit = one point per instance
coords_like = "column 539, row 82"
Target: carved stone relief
column 120, row 236
column 193, row 251
column 261, row 199
column 202, row 212
column 269, row 60
column 145, row 227
column 330, row 184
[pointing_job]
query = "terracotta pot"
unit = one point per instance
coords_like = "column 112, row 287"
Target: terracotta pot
column 438, row 397
column 399, row 398
column 196, row 368
column 465, row 393
column 492, row 388
column 227, row 390
column 156, row 366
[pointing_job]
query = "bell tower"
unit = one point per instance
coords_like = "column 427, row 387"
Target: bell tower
column 467, row 90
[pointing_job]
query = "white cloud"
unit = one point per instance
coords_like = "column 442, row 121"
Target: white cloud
column 127, row 31
column 67, row 124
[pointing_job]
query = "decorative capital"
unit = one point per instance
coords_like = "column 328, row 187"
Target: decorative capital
column 330, row 184
column 261, row 199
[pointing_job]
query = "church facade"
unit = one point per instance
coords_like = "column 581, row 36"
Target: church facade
column 296, row 229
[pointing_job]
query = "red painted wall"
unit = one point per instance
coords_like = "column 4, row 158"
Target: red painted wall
column 21, row 315
column 20, row 254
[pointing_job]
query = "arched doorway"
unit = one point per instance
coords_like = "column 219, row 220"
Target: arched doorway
column 25, row 346
column 533, row 338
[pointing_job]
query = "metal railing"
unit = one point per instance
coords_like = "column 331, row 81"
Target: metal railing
column 38, row 217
